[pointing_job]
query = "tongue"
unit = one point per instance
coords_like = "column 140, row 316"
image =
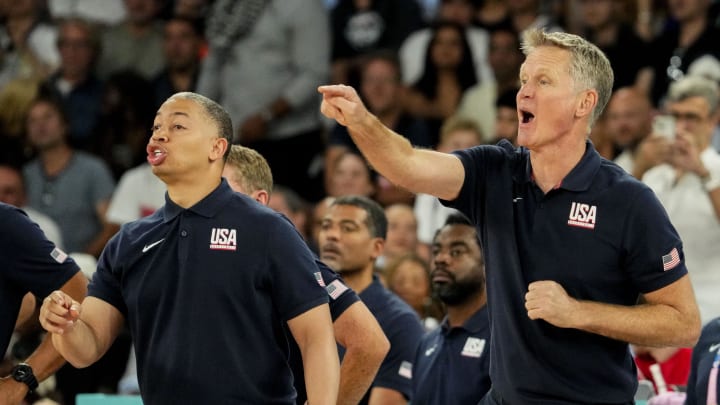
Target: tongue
column 154, row 159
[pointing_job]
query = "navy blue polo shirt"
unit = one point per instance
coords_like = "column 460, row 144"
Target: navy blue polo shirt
column 403, row 328
column 600, row 234
column 341, row 298
column 452, row 365
column 29, row 263
column 207, row 292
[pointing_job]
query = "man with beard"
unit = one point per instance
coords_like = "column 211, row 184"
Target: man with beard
column 451, row 363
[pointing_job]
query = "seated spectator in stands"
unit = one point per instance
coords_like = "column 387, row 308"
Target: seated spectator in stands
column 361, row 27
column 12, row 191
column 264, row 63
column 408, row 276
column 127, row 113
column 457, row 133
column 478, row 102
column 629, row 117
column 666, row 367
column 138, row 194
column 135, row 43
column 703, row 385
column 71, row 187
column 352, row 176
column 506, row 119
column 452, row 363
column 460, row 12
column 448, row 73
column 629, row 54
column 107, row 12
column 182, row 43
column 27, row 42
column 382, row 90
column 75, row 82
column 688, row 185
column 289, row 203
column 401, row 236
column 692, row 35
column 526, row 15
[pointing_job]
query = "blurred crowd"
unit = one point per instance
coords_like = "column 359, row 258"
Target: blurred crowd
column 81, row 80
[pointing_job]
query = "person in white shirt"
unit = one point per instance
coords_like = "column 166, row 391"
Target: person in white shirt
column 688, row 185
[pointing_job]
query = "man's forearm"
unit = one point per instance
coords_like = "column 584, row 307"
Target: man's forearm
column 321, row 366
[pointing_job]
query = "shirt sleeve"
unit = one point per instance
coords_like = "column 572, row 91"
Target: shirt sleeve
column 340, row 295
column 396, row 370
column 295, row 286
column 31, row 260
column 652, row 248
column 105, row 283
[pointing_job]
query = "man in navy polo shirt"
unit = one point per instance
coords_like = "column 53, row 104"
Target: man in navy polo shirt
column 571, row 242
column 207, row 284
column 356, row 329
column 452, row 365
column 352, row 236
column 30, row 264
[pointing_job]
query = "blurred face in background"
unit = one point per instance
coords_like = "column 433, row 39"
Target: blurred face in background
column 380, row 86
column 11, row 187
column 459, row 139
column 684, row 10
column 402, row 230
column 458, row 11
column 411, row 282
column 506, row 123
column 597, row 14
column 351, row 176
column 77, row 53
column 142, row 11
column 45, row 126
column 181, row 45
column 505, row 56
column 629, row 117
column 447, row 48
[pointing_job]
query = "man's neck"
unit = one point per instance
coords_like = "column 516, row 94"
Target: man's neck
column 552, row 163
column 55, row 159
column 459, row 314
column 358, row 280
column 187, row 192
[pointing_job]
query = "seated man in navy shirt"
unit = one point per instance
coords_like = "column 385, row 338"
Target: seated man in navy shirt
column 356, row 329
column 352, row 236
column 580, row 257
column 200, row 282
column 452, row 364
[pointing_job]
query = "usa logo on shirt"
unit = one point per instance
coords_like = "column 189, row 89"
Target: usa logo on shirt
column 582, row 215
column 223, row 239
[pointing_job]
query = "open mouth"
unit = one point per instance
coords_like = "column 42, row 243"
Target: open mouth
column 526, row 116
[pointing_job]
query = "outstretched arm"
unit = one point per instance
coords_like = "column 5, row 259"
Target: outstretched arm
column 313, row 333
column 668, row 316
column 82, row 333
column 417, row 170
column 365, row 345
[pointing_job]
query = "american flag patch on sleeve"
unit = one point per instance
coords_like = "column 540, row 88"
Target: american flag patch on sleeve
column 335, row 289
column 671, row 260
column 406, row 369
column 319, row 279
column 58, row 255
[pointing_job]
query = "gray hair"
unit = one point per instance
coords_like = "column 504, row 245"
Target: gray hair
column 694, row 86
column 215, row 113
column 589, row 67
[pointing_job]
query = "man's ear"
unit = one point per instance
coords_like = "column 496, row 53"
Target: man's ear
column 586, row 103
column 261, row 196
column 219, row 147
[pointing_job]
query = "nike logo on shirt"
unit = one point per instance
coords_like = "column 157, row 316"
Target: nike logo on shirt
column 152, row 245
column 714, row 347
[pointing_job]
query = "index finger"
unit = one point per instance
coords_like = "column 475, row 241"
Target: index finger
column 333, row 90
